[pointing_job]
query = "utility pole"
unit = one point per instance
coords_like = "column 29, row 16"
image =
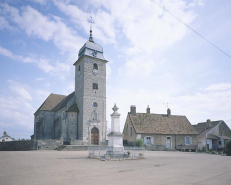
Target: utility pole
column 206, row 139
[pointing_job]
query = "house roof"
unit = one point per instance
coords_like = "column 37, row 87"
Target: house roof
column 201, row 126
column 224, row 137
column 161, row 124
column 5, row 135
column 51, row 102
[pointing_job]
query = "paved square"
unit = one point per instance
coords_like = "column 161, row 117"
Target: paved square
column 73, row 167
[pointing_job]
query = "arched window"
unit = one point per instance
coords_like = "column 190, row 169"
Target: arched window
column 95, row 66
column 79, row 71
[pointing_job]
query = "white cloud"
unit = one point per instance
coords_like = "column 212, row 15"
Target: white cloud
column 43, row 94
column 19, row 90
column 45, row 27
column 16, row 109
column 197, row 107
column 56, row 68
column 219, row 87
column 4, row 23
column 103, row 27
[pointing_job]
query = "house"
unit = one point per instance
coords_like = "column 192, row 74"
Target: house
column 6, row 137
column 215, row 132
column 159, row 131
column 79, row 117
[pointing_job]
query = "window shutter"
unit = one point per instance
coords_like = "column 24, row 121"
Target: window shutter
column 185, row 140
column 145, row 141
column 152, row 140
column 190, row 140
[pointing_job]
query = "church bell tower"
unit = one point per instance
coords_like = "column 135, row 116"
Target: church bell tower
column 90, row 93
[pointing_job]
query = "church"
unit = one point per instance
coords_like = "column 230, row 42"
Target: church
column 79, row 117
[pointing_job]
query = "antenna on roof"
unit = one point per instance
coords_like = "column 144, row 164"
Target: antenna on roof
column 166, row 104
column 91, row 38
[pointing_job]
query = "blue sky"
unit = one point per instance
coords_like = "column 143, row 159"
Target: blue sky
column 153, row 58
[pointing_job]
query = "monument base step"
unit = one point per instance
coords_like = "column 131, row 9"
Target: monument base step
column 76, row 147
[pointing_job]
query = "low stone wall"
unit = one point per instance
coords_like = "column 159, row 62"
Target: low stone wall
column 77, row 142
column 18, row 145
column 50, row 144
column 156, row 147
column 187, row 148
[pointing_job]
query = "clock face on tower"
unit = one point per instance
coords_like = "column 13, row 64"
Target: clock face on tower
column 95, row 71
column 94, row 53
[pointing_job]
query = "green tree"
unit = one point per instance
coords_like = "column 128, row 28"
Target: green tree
column 228, row 145
column 139, row 142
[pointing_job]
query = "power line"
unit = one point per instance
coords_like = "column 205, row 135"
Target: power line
column 153, row 1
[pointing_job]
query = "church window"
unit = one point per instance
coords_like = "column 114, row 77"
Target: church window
column 95, row 104
column 79, row 71
column 95, row 86
column 131, row 131
column 95, row 66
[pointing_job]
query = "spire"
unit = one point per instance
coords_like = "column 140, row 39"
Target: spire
column 91, row 38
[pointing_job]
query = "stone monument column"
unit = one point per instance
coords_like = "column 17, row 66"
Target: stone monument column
column 115, row 138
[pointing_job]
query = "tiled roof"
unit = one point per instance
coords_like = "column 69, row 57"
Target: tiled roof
column 51, row 101
column 64, row 102
column 201, row 126
column 224, row 137
column 161, row 124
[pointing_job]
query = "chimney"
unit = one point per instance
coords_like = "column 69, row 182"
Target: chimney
column 133, row 110
column 168, row 112
column 148, row 110
column 208, row 123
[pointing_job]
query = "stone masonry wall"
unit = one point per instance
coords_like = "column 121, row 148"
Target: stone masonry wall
column 86, row 96
column 50, row 144
column 18, row 145
column 91, row 96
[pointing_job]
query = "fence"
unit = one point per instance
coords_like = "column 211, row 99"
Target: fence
column 129, row 153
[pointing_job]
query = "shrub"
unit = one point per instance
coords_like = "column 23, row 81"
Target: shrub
column 228, row 145
column 139, row 142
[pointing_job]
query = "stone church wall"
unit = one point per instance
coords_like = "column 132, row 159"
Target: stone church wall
column 48, row 125
column 60, row 126
column 72, row 125
column 79, row 90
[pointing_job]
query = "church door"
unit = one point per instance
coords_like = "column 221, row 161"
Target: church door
column 94, row 136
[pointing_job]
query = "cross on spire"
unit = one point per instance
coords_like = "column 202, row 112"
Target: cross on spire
column 91, row 38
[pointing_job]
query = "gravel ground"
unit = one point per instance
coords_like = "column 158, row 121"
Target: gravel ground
column 73, row 167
